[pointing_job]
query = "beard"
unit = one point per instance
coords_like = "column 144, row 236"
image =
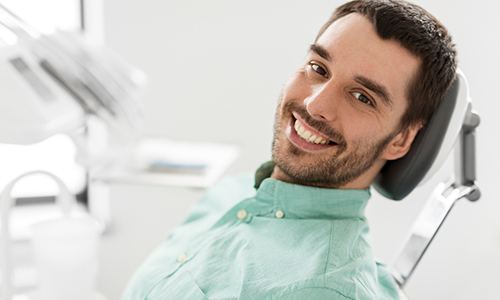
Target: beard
column 334, row 167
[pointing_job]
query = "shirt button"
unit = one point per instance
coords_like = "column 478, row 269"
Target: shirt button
column 279, row 214
column 182, row 258
column 242, row 214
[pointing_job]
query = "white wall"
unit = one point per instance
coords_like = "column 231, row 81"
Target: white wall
column 216, row 70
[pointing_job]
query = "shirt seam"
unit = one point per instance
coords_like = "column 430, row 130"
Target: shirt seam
column 329, row 249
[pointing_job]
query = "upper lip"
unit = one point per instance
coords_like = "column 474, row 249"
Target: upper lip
column 311, row 128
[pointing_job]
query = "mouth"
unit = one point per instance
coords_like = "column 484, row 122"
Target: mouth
column 305, row 137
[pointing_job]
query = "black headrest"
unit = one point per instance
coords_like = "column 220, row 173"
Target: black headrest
column 399, row 177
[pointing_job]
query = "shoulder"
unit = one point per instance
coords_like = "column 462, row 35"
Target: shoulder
column 236, row 185
column 221, row 197
column 229, row 191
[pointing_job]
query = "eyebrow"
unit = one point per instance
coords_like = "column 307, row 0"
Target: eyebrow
column 320, row 51
column 375, row 87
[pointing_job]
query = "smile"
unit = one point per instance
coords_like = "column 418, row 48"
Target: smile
column 308, row 135
column 303, row 136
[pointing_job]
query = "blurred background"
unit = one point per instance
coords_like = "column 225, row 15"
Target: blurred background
column 215, row 71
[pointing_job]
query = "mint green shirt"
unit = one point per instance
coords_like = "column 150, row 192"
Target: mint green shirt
column 281, row 241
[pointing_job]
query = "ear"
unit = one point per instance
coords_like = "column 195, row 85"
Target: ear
column 401, row 143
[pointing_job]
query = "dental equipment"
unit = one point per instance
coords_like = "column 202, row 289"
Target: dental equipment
column 452, row 127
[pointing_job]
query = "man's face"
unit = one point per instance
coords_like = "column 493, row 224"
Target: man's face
column 338, row 118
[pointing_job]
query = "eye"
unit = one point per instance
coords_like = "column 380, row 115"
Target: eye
column 363, row 98
column 317, row 68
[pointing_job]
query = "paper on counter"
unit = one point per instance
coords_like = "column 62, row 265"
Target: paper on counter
column 169, row 162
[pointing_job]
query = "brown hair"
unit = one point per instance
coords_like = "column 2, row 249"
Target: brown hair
column 424, row 36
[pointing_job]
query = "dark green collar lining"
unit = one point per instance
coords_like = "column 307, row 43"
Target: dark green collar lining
column 263, row 172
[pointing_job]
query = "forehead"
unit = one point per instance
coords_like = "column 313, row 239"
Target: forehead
column 356, row 49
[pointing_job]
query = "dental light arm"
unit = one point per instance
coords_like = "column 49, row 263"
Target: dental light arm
column 52, row 83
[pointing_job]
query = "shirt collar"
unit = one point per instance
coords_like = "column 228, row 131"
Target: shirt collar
column 306, row 202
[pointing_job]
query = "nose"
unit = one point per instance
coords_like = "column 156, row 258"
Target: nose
column 321, row 104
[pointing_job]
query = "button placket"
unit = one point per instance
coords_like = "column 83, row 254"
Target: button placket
column 279, row 214
column 241, row 214
column 244, row 215
column 182, row 258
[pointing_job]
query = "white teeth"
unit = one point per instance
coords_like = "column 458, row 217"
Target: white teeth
column 307, row 135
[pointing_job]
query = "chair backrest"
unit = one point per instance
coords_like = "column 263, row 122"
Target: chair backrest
column 452, row 126
column 431, row 146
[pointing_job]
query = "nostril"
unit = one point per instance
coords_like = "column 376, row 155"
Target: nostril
column 316, row 115
column 320, row 111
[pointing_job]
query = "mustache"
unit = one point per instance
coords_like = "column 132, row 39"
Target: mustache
column 320, row 126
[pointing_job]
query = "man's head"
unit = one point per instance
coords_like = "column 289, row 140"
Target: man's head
column 372, row 78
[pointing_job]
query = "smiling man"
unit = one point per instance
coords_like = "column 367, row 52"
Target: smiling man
column 372, row 78
column 340, row 114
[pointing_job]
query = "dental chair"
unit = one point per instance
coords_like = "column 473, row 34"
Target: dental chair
column 452, row 127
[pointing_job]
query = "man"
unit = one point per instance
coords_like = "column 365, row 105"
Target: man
column 372, row 78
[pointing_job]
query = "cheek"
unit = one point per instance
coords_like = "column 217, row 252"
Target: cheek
column 296, row 88
column 358, row 130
